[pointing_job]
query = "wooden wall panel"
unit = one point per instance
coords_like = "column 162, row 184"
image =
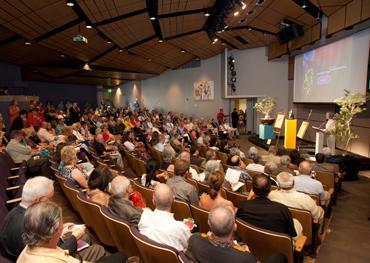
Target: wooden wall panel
column 353, row 12
column 316, row 32
column 291, row 68
column 337, row 20
column 365, row 12
column 275, row 50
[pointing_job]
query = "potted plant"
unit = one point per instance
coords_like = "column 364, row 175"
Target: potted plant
column 350, row 105
column 266, row 106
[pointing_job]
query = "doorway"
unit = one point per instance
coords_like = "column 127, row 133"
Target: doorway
column 247, row 118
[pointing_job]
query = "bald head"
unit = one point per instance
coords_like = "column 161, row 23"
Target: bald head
column 184, row 156
column 285, row 180
column 235, row 160
column 163, row 197
column 305, row 168
column 221, row 221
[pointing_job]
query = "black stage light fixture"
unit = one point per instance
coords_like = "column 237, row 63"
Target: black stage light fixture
column 233, row 79
column 233, row 73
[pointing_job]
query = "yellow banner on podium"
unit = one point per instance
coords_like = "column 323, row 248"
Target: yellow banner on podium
column 290, row 135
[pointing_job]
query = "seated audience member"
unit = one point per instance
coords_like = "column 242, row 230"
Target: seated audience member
column 19, row 122
column 210, row 155
column 19, row 151
column 288, row 196
column 256, row 166
column 159, row 145
column 271, row 156
column 60, row 125
column 252, row 152
column 214, row 197
column 322, row 166
column 295, row 159
column 210, row 167
column 44, row 135
column 218, row 246
column 160, row 225
column 185, row 156
column 68, row 167
column 236, row 151
column 168, row 156
column 98, row 183
column 102, row 149
column 119, row 202
column 36, row 190
column 150, row 179
column 237, row 164
column 182, row 189
column 267, row 214
column 284, row 165
column 306, row 184
column 194, row 156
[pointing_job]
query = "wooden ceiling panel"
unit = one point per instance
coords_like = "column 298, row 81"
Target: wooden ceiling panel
column 128, row 31
column 54, row 72
column 199, row 45
column 127, row 62
column 330, row 6
column 173, row 6
column 34, row 18
column 118, row 75
column 103, row 10
column 162, row 53
column 89, row 80
column 5, row 33
column 19, row 53
column 64, row 43
column 181, row 24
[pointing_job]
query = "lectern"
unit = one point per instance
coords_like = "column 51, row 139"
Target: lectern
column 290, row 137
column 319, row 140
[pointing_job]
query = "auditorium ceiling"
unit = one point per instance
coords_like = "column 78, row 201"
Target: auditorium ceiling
column 135, row 39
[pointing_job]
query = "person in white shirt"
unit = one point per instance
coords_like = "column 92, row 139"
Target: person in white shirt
column 330, row 130
column 288, row 196
column 160, row 225
column 76, row 131
column 256, row 166
column 44, row 135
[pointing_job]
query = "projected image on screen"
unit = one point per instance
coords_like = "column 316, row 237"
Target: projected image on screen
column 321, row 75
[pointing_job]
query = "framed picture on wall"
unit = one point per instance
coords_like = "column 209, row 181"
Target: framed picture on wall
column 204, row 90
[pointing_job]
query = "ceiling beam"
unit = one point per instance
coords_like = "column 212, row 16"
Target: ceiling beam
column 141, row 42
column 227, row 42
column 251, row 28
column 59, row 29
column 100, row 77
column 121, row 17
column 152, row 6
column 106, row 52
column 9, row 40
column 185, row 34
column 183, row 13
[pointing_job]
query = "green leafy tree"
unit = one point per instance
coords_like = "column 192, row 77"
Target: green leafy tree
column 350, row 105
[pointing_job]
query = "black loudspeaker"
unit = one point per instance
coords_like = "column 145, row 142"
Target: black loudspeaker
column 290, row 33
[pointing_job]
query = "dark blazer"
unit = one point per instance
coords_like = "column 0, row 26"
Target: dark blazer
column 267, row 214
column 124, row 208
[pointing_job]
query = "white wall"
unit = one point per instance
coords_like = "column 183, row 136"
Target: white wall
column 256, row 76
column 173, row 90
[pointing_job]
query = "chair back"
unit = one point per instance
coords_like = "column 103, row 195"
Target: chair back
column 146, row 192
column 204, row 188
column 156, row 154
column 152, row 251
column 140, row 167
column 120, row 232
column 316, row 198
column 132, row 163
column 181, row 210
column 90, row 213
column 200, row 217
column 71, row 191
column 235, row 198
column 327, row 179
column 263, row 243
column 306, row 220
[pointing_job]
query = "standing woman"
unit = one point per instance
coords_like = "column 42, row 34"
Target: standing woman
column 13, row 111
column 330, row 131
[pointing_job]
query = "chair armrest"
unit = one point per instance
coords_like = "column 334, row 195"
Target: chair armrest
column 14, row 169
column 12, row 201
column 13, row 177
column 299, row 243
column 12, row 188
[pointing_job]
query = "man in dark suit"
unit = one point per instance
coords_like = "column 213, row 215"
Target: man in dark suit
column 267, row 214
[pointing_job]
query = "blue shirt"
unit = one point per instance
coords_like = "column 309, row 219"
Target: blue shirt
column 308, row 185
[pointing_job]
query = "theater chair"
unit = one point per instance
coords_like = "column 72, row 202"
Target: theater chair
column 92, row 217
column 120, row 232
column 222, row 156
column 181, row 210
column 204, row 188
column 200, row 217
column 71, row 191
column 146, row 192
column 151, row 251
column 235, row 198
column 310, row 229
column 327, row 180
column 263, row 243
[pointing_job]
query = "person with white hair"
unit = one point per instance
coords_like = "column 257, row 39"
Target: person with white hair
column 35, row 190
column 119, row 202
column 44, row 135
column 253, row 151
column 210, row 167
column 107, row 150
column 330, row 127
column 289, row 196
column 160, row 224
column 218, row 246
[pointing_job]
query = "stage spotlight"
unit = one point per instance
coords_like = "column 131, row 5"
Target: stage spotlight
column 233, row 79
column 88, row 25
column 232, row 67
column 215, row 40
column 87, row 67
column 304, row 5
column 207, row 13
column 152, row 18
column 233, row 73
column 109, row 41
column 160, row 40
column 70, row 3
column 233, row 88
column 62, row 55
column 236, row 13
column 244, row 6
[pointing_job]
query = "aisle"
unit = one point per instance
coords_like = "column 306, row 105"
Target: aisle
column 349, row 237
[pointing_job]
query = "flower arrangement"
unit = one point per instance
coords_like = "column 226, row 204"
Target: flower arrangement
column 265, row 106
column 350, row 105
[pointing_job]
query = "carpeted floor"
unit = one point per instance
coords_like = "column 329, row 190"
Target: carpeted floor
column 348, row 236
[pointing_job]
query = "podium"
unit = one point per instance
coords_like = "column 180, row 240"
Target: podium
column 319, row 144
column 266, row 132
column 290, row 134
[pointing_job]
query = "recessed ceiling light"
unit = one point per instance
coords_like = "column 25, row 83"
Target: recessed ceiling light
column 160, row 40
column 120, row 50
column 304, row 5
column 149, row 59
column 62, row 55
column 89, row 26
column 244, row 6
column 182, row 51
column 197, row 58
column 70, row 3
column 26, row 42
column 109, row 41
column 87, row 67
column 249, row 28
column 207, row 13
column 152, row 18
column 236, row 13
column 215, row 40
